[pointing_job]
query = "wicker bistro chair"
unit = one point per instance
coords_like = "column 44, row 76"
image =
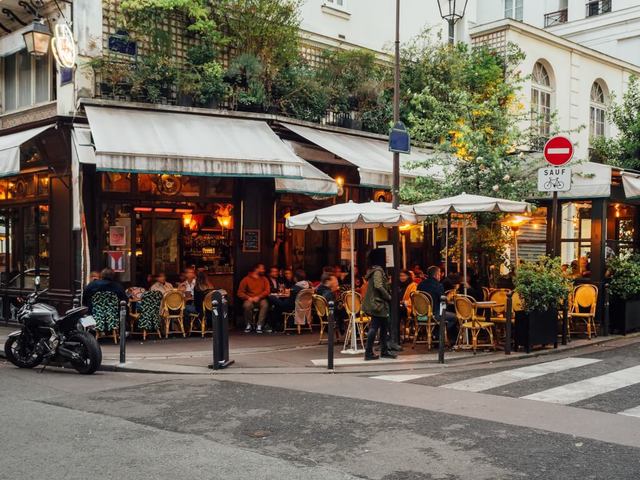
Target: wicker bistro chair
column 361, row 320
column 147, row 317
column 173, row 312
column 322, row 310
column 424, row 319
column 471, row 323
column 486, row 293
column 301, row 314
column 583, row 307
column 105, row 311
column 201, row 319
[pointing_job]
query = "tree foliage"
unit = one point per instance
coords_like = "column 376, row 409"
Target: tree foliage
column 624, row 149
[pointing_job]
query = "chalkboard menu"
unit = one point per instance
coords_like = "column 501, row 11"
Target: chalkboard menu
column 251, row 241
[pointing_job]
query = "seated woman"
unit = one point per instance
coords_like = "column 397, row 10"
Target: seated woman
column 203, row 286
column 406, row 286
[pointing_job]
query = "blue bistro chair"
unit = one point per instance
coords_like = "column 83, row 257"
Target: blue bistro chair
column 148, row 317
column 104, row 308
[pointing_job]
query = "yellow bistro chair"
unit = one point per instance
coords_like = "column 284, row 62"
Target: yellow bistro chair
column 361, row 320
column 583, row 307
column 173, row 312
column 471, row 323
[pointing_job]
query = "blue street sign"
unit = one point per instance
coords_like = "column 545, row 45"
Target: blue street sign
column 399, row 140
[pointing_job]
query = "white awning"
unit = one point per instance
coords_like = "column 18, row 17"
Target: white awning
column 10, row 149
column 588, row 180
column 128, row 140
column 82, row 151
column 372, row 157
column 315, row 182
column 631, row 184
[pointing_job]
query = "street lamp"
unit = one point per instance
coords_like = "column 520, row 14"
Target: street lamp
column 452, row 11
column 37, row 39
column 514, row 223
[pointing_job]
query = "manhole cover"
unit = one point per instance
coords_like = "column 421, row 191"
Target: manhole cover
column 260, row 434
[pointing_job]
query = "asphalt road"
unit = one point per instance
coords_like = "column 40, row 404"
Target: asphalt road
column 61, row 425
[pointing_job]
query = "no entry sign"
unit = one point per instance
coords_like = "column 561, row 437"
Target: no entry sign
column 558, row 151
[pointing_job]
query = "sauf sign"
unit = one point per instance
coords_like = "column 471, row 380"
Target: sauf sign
column 558, row 151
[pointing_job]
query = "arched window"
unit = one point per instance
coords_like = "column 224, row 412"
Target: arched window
column 541, row 91
column 597, row 111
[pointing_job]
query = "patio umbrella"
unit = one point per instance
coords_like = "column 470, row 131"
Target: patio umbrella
column 352, row 216
column 465, row 203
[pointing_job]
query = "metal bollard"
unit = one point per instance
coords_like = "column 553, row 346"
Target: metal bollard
column 565, row 321
column 215, row 320
column 331, row 335
column 441, row 329
column 507, row 326
column 123, row 331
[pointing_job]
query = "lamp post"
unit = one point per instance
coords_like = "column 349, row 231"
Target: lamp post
column 514, row 223
column 452, row 11
column 37, row 38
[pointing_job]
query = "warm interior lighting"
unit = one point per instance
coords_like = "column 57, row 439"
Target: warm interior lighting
column 186, row 220
column 223, row 215
column 405, row 227
column 516, row 221
column 143, row 209
column 163, row 210
column 340, row 181
column 183, row 210
column 287, row 215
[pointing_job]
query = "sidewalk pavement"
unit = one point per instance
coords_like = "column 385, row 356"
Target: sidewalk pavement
column 296, row 354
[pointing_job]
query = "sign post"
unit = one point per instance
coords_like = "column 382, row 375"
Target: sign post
column 558, row 151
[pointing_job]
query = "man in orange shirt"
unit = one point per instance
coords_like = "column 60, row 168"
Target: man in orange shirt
column 253, row 291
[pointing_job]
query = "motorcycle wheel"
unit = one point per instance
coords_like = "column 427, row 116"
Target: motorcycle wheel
column 89, row 350
column 12, row 351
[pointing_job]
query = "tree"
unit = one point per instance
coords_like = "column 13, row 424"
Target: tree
column 623, row 150
column 465, row 105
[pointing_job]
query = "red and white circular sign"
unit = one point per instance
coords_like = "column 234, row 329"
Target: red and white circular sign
column 558, row 150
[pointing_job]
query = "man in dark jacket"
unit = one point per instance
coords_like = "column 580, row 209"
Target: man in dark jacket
column 106, row 283
column 435, row 289
column 376, row 305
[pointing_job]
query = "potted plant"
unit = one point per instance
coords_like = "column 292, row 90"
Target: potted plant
column 541, row 287
column 625, row 293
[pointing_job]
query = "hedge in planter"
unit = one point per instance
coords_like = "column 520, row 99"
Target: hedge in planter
column 625, row 293
column 541, row 286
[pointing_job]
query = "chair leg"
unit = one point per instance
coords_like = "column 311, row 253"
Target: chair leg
column 115, row 336
column 144, row 334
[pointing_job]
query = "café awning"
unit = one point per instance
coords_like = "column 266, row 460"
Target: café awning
column 146, row 141
column 10, row 149
column 315, row 183
column 371, row 156
column 631, row 184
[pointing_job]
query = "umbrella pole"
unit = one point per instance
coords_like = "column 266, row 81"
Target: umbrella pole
column 446, row 245
column 354, row 341
column 464, row 252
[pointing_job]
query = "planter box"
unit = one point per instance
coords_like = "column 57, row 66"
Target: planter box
column 536, row 328
column 624, row 315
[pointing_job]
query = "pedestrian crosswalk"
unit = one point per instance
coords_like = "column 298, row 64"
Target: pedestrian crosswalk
column 573, row 390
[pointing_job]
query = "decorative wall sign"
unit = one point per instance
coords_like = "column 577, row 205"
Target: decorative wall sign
column 117, row 236
column 63, row 46
column 251, row 241
column 116, row 260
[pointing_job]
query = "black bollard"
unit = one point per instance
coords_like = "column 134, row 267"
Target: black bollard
column 606, row 319
column 215, row 322
column 220, row 319
column 123, row 331
column 507, row 327
column 565, row 321
column 441, row 329
column 331, row 336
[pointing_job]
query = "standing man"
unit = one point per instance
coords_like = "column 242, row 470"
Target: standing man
column 253, row 291
column 376, row 305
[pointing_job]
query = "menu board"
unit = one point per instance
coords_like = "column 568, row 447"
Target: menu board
column 251, row 241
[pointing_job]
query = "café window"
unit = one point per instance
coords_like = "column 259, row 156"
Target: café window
column 541, row 97
column 26, row 80
column 116, row 182
column 621, row 229
column 575, row 232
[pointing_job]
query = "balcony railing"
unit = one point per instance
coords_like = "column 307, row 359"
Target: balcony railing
column 598, row 7
column 555, row 18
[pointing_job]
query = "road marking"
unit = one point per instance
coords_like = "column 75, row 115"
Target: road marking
column 402, row 378
column 575, row 392
column 557, row 151
column 632, row 412
column 487, row 382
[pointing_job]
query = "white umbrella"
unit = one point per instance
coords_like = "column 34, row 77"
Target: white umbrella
column 465, row 203
column 352, row 216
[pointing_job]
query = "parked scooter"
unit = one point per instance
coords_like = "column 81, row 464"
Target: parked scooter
column 46, row 337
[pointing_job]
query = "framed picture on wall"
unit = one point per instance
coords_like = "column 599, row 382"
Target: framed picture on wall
column 117, row 236
column 251, row 243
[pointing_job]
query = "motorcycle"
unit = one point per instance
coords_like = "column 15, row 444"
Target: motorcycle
column 47, row 337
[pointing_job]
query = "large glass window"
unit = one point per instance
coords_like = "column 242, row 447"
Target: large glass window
column 575, row 233
column 597, row 111
column 541, row 92
column 514, row 9
column 621, row 229
column 26, row 80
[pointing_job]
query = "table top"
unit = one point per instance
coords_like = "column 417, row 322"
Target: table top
column 487, row 304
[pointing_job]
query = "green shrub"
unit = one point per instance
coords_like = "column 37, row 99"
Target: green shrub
column 541, row 284
column 625, row 277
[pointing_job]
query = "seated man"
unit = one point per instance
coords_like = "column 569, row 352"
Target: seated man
column 431, row 285
column 253, row 291
column 106, row 283
column 274, row 279
column 288, row 304
column 328, row 287
column 188, row 287
column 161, row 284
column 288, row 280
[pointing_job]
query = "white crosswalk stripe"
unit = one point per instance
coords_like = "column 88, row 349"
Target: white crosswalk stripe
column 487, row 382
column 632, row 412
column 584, row 389
column 402, row 378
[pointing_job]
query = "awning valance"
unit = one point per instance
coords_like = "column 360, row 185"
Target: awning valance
column 188, row 144
column 372, row 157
column 631, row 184
column 10, row 149
column 315, row 182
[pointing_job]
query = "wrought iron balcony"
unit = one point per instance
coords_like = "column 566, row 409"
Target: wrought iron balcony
column 554, row 18
column 598, row 7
